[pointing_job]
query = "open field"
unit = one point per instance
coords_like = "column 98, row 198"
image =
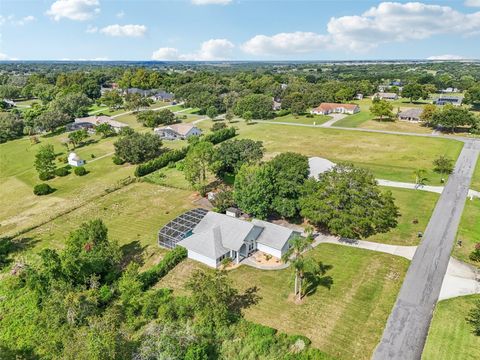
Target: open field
column 476, row 178
column 302, row 119
column 170, row 177
column 392, row 157
column 345, row 321
column 400, row 126
column 450, row 336
column 468, row 231
column 413, row 205
column 133, row 215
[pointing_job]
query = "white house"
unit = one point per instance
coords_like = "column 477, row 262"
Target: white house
column 329, row 108
column 449, row 99
column 89, row 121
column 177, row 131
column 218, row 236
column 385, row 96
column 74, row 160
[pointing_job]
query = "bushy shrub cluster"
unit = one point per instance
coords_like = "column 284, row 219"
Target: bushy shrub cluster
column 63, row 171
column 160, row 162
column 43, row 189
column 217, row 137
column 155, row 273
column 80, row 171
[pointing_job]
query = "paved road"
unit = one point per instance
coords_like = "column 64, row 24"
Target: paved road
column 407, row 327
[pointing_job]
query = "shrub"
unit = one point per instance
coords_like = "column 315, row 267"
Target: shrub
column 80, row 171
column 155, row 273
column 475, row 255
column 117, row 161
column 282, row 112
column 45, row 176
column 161, row 161
column 220, row 135
column 43, row 189
column 63, row 171
column 62, row 159
column 218, row 126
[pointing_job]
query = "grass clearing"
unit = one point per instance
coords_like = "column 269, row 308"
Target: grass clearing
column 302, row 119
column 392, row 157
column 468, row 231
column 346, row 321
column 133, row 215
column 170, row 177
column 450, row 337
column 413, row 204
column 476, row 178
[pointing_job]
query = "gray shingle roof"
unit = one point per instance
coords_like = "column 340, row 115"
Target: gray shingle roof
column 273, row 235
column 233, row 231
column 411, row 113
column 208, row 243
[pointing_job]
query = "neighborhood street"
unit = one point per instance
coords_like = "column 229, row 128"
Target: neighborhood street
column 407, row 327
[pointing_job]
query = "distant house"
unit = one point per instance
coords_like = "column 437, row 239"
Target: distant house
column 108, row 87
column 449, row 90
column 143, row 92
column 162, row 96
column 93, row 121
column 328, row 108
column 445, row 99
column 177, row 131
column 210, row 237
column 385, row 96
column 410, row 115
column 358, row 96
column 277, row 104
column 74, row 160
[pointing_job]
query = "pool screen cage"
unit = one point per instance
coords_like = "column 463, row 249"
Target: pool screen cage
column 180, row 228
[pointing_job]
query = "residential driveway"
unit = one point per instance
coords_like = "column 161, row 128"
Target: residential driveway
column 333, row 120
column 407, row 327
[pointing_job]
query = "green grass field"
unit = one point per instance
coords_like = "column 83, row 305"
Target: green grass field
column 302, row 119
column 133, row 214
column 392, row 157
column 346, row 321
column 476, row 178
column 468, row 231
column 413, row 205
column 450, row 336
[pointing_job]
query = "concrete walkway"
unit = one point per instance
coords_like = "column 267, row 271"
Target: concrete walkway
column 407, row 327
column 335, row 118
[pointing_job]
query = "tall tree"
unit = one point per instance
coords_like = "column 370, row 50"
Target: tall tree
column 382, row 109
column 348, row 202
column 45, row 162
column 112, row 99
column 198, row 163
column 295, row 255
column 77, row 137
column 231, row 155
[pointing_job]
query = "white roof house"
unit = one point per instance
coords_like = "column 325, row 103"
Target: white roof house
column 102, row 119
column 75, row 160
column 318, row 165
column 218, row 236
column 177, row 131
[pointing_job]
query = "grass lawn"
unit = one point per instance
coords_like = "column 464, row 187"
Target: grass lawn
column 392, row 157
column 413, row 205
column 468, row 231
column 346, row 321
column 400, row 126
column 302, row 119
column 170, row 177
column 20, row 208
column 133, row 214
column 450, row 336
column 476, row 178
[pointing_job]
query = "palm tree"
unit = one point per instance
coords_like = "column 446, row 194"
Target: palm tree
column 420, row 178
column 298, row 245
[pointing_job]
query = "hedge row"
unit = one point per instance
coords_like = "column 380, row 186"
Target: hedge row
column 154, row 274
column 160, row 162
column 177, row 155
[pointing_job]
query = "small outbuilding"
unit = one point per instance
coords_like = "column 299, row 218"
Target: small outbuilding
column 177, row 131
column 412, row 115
column 75, row 160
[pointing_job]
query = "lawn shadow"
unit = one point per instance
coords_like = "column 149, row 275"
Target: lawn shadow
column 10, row 246
column 316, row 278
column 249, row 298
column 132, row 251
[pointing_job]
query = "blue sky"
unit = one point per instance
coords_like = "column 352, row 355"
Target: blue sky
column 238, row 29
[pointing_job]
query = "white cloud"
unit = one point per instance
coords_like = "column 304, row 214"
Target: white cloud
column 285, row 43
column 446, row 57
column 386, row 23
column 120, row 14
column 213, row 49
column 211, row 2
column 165, row 54
column 79, row 10
column 91, row 29
column 472, row 3
column 12, row 20
column 124, row 30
